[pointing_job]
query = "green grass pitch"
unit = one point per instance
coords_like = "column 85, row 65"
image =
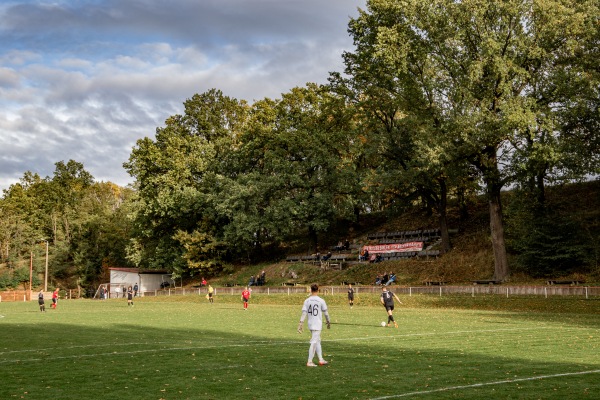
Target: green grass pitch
column 184, row 348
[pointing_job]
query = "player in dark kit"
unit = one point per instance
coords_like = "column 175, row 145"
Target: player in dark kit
column 41, row 301
column 387, row 299
column 129, row 296
column 350, row 295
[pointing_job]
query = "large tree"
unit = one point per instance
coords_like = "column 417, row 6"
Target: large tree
column 177, row 179
column 477, row 63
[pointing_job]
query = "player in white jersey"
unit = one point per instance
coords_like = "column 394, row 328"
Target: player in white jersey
column 315, row 307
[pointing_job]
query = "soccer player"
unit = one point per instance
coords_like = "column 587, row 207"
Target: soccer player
column 55, row 298
column 246, row 297
column 350, row 295
column 314, row 306
column 211, row 291
column 130, row 296
column 41, row 301
column 387, row 299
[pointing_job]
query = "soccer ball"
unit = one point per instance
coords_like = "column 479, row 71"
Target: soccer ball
column 382, row 323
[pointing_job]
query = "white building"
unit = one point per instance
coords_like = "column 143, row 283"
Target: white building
column 147, row 280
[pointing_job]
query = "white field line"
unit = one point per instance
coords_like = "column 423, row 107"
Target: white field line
column 476, row 385
column 247, row 344
column 83, row 346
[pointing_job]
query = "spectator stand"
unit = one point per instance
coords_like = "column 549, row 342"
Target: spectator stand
column 429, row 254
column 434, row 283
column 405, row 235
column 571, row 282
column 487, row 282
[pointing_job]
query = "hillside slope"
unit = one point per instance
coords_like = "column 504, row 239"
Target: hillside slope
column 471, row 256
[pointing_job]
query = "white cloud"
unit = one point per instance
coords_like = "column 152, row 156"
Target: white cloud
column 84, row 80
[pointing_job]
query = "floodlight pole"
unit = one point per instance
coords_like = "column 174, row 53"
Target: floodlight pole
column 30, row 271
column 46, row 274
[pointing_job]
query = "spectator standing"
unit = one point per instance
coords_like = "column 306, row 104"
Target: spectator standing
column 251, row 281
column 41, row 302
column 314, row 307
column 387, row 299
column 246, row 297
column 135, row 289
column 263, row 278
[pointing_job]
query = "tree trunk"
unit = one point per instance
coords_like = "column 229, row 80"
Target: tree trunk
column 501, row 270
column 356, row 221
column 443, row 217
column 488, row 165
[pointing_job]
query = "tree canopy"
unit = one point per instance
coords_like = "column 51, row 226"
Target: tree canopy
column 439, row 100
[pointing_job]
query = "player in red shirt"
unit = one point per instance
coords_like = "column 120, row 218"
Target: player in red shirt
column 55, row 298
column 246, row 297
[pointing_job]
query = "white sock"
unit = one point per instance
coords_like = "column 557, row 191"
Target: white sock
column 311, row 352
column 319, row 351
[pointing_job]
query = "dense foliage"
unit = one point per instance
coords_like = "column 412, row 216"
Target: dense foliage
column 440, row 100
column 84, row 223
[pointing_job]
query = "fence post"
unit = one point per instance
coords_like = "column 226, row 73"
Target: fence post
column 440, row 290
column 507, row 293
column 410, row 292
column 268, row 293
column 473, row 291
column 546, row 292
column 586, row 294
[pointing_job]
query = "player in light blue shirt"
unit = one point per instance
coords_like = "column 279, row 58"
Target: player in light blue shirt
column 314, row 307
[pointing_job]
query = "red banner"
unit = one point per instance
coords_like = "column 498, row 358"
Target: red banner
column 394, row 247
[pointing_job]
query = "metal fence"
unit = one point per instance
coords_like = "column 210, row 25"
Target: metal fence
column 443, row 290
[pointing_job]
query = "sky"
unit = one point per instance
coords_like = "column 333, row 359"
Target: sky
column 85, row 79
